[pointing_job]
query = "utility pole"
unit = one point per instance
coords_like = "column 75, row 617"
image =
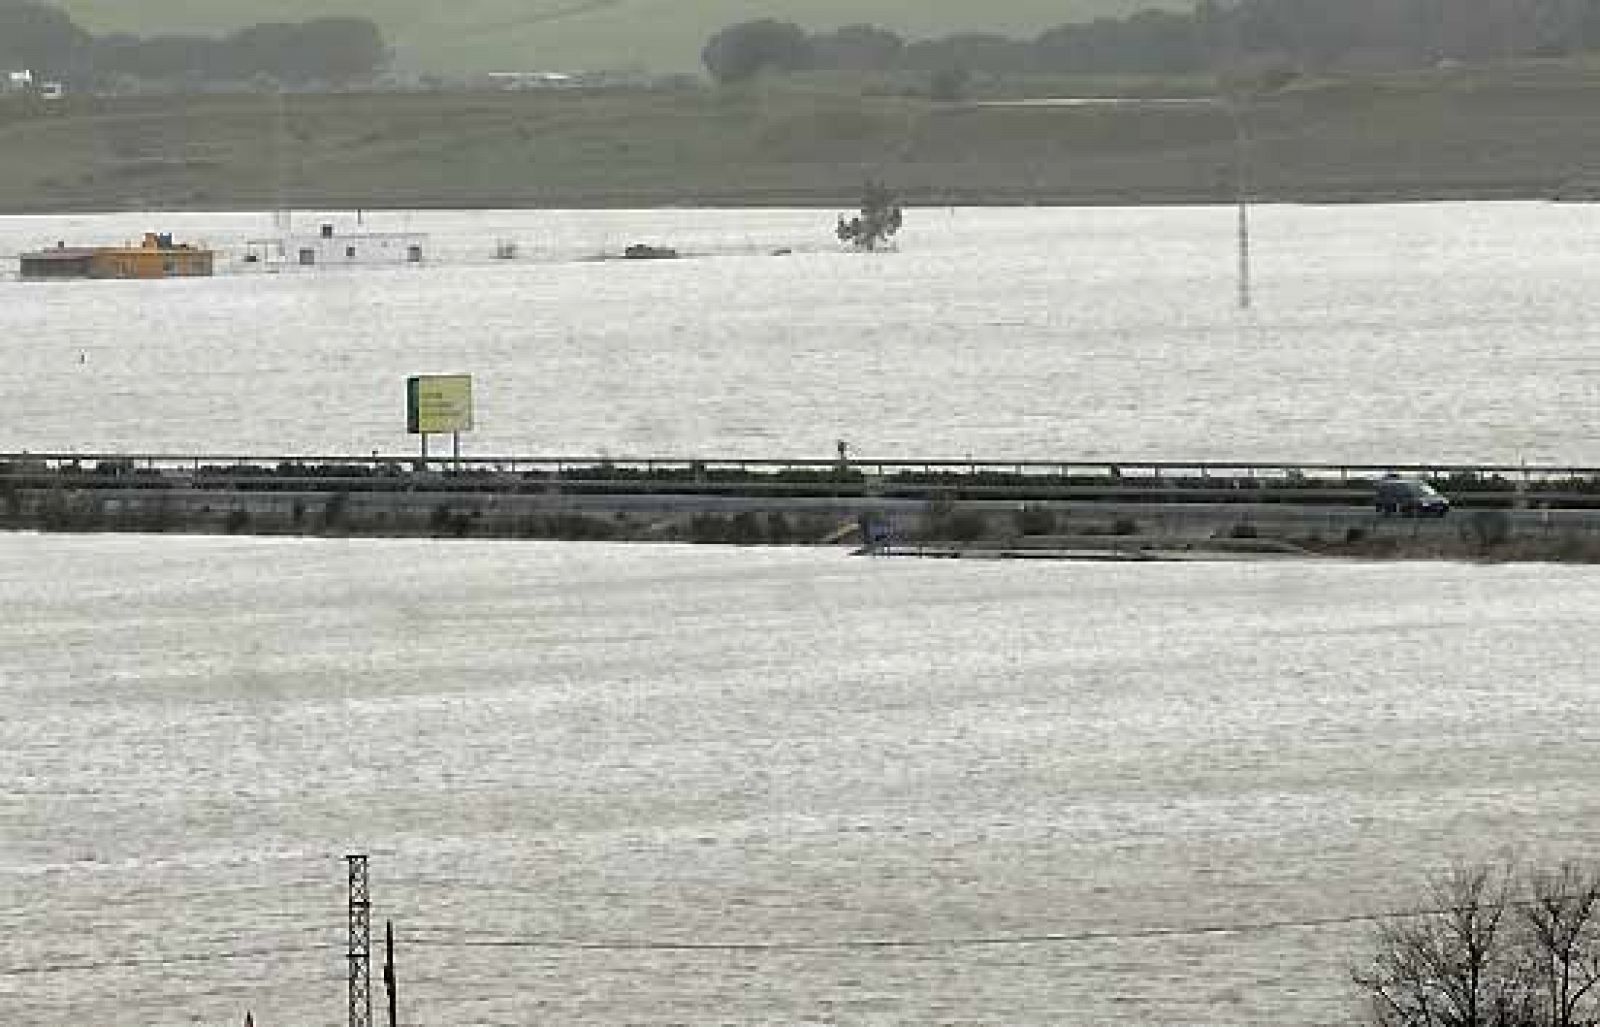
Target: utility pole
column 1241, row 184
column 360, row 944
column 1235, row 107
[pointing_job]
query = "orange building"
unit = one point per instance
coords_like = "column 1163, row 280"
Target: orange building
column 156, row 257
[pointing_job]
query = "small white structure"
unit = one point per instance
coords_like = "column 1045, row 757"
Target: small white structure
column 329, row 248
column 16, row 81
column 533, row 80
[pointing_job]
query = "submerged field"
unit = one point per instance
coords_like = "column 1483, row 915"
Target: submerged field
column 1528, row 133
column 552, row 746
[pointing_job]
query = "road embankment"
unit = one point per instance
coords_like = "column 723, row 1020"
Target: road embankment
column 988, row 527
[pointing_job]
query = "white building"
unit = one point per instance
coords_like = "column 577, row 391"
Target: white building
column 533, row 80
column 16, row 81
column 329, row 248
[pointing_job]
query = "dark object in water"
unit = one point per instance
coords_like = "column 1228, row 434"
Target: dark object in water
column 641, row 251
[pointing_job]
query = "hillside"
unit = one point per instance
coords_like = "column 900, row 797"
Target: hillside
column 654, row 35
column 1511, row 133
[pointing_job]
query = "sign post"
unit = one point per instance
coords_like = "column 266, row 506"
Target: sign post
column 436, row 404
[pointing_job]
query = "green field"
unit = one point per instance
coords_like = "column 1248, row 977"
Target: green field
column 587, row 35
column 1512, row 133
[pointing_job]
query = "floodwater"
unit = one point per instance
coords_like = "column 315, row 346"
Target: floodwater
column 657, row 784
column 565, row 759
column 1379, row 334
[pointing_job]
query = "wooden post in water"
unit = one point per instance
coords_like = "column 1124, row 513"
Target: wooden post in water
column 388, row 969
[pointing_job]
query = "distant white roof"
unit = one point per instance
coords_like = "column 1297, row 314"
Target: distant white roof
column 526, row 78
column 20, row 78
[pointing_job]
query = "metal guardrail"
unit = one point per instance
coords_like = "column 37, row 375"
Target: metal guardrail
column 1146, row 469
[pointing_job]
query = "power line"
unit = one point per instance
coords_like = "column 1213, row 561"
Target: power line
column 436, row 940
column 154, row 961
column 451, row 937
column 439, row 937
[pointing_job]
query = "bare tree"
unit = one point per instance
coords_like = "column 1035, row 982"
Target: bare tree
column 1561, row 923
column 1482, row 955
column 1455, row 964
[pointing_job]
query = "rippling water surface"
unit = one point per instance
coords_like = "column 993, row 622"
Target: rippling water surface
column 555, row 753
column 1452, row 332
column 607, row 744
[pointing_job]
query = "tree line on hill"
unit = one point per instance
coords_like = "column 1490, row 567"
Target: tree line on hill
column 45, row 39
column 1310, row 35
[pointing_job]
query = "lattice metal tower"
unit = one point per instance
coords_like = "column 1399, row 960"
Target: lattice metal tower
column 360, row 944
